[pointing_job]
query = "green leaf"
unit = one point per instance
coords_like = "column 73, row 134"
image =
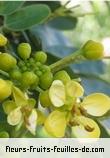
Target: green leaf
column 27, row 17
column 7, row 7
column 63, row 23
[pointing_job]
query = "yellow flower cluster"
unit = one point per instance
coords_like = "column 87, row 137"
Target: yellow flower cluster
column 96, row 104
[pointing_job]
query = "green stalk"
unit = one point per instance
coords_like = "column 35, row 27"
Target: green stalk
column 73, row 58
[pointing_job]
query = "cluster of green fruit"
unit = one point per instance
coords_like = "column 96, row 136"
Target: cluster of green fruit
column 58, row 93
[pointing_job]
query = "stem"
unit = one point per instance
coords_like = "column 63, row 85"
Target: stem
column 74, row 57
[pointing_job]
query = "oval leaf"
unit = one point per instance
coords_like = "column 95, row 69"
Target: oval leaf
column 63, row 23
column 27, row 17
column 7, row 8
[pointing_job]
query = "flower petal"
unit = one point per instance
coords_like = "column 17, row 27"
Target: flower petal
column 19, row 97
column 14, row 117
column 57, row 93
column 96, row 104
column 74, row 89
column 55, row 124
column 32, row 122
column 79, row 131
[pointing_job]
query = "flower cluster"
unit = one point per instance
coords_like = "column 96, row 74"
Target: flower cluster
column 44, row 103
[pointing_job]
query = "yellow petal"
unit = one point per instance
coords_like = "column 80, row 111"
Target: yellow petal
column 57, row 93
column 19, row 97
column 32, row 122
column 14, row 117
column 79, row 131
column 96, row 104
column 55, row 124
column 74, row 89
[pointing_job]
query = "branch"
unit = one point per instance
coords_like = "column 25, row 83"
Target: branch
column 74, row 57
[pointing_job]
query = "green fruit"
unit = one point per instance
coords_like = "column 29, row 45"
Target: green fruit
column 24, row 50
column 55, row 124
column 46, row 80
column 41, row 57
column 3, row 40
column 8, row 106
column 63, row 76
column 93, row 50
column 7, row 62
column 28, row 79
column 5, row 89
column 15, row 74
column 4, row 134
column 44, row 99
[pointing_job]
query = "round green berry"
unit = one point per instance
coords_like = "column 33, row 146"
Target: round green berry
column 63, row 76
column 46, row 80
column 15, row 74
column 93, row 50
column 28, row 79
column 7, row 62
column 40, row 56
column 24, row 50
column 44, row 99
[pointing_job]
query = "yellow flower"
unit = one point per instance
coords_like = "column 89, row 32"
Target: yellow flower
column 96, row 104
column 59, row 93
column 19, row 111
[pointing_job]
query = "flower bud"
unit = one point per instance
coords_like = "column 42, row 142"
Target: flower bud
column 3, row 40
column 41, row 56
column 5, row 89
column 29, row 78
column 93, row 50
column 24, row 50
column 7, row 62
